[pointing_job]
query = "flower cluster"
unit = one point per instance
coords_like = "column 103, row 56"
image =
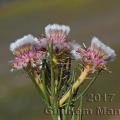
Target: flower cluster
column 31, row 50
column 49, row 61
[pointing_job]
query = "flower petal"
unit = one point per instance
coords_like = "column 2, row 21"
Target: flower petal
column 56, row 27
column 57, row 33
column 75, row 48
column 110, row 53
column 27, row 39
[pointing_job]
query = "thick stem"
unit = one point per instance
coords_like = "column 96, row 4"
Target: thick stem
column 38, row 82
column 77, row 83
column 41, row 86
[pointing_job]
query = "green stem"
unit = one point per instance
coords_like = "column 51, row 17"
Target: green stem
column 38, row 85
column 73, row 115
column 75, row 85
column 81, row 104
column 64, row 114
column 84, row 92
column 54, row 116
column 90, row 84
column 53, row 85
column 44, row 85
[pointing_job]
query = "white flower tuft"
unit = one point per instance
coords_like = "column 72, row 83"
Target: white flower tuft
column 75, row 47
column 27, row 39
column 108, row 51
column 56, row 27
column 43, row 42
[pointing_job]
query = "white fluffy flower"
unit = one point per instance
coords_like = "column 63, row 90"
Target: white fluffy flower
column 27, row 39
column 26, row 51
column 56, row 27
column 109, row 52
column 75, row 47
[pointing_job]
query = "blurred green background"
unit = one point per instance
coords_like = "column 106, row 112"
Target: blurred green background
column 19, row 99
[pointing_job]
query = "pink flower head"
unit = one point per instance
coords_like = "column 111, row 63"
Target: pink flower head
column 97, row 55
column 25, row 50
column 57, row 33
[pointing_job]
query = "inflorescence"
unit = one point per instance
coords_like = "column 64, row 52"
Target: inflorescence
column 50, row 61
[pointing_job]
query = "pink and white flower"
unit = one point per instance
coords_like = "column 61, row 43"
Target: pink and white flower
column 25, row 50
column 97, row 55
column 57, row 33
